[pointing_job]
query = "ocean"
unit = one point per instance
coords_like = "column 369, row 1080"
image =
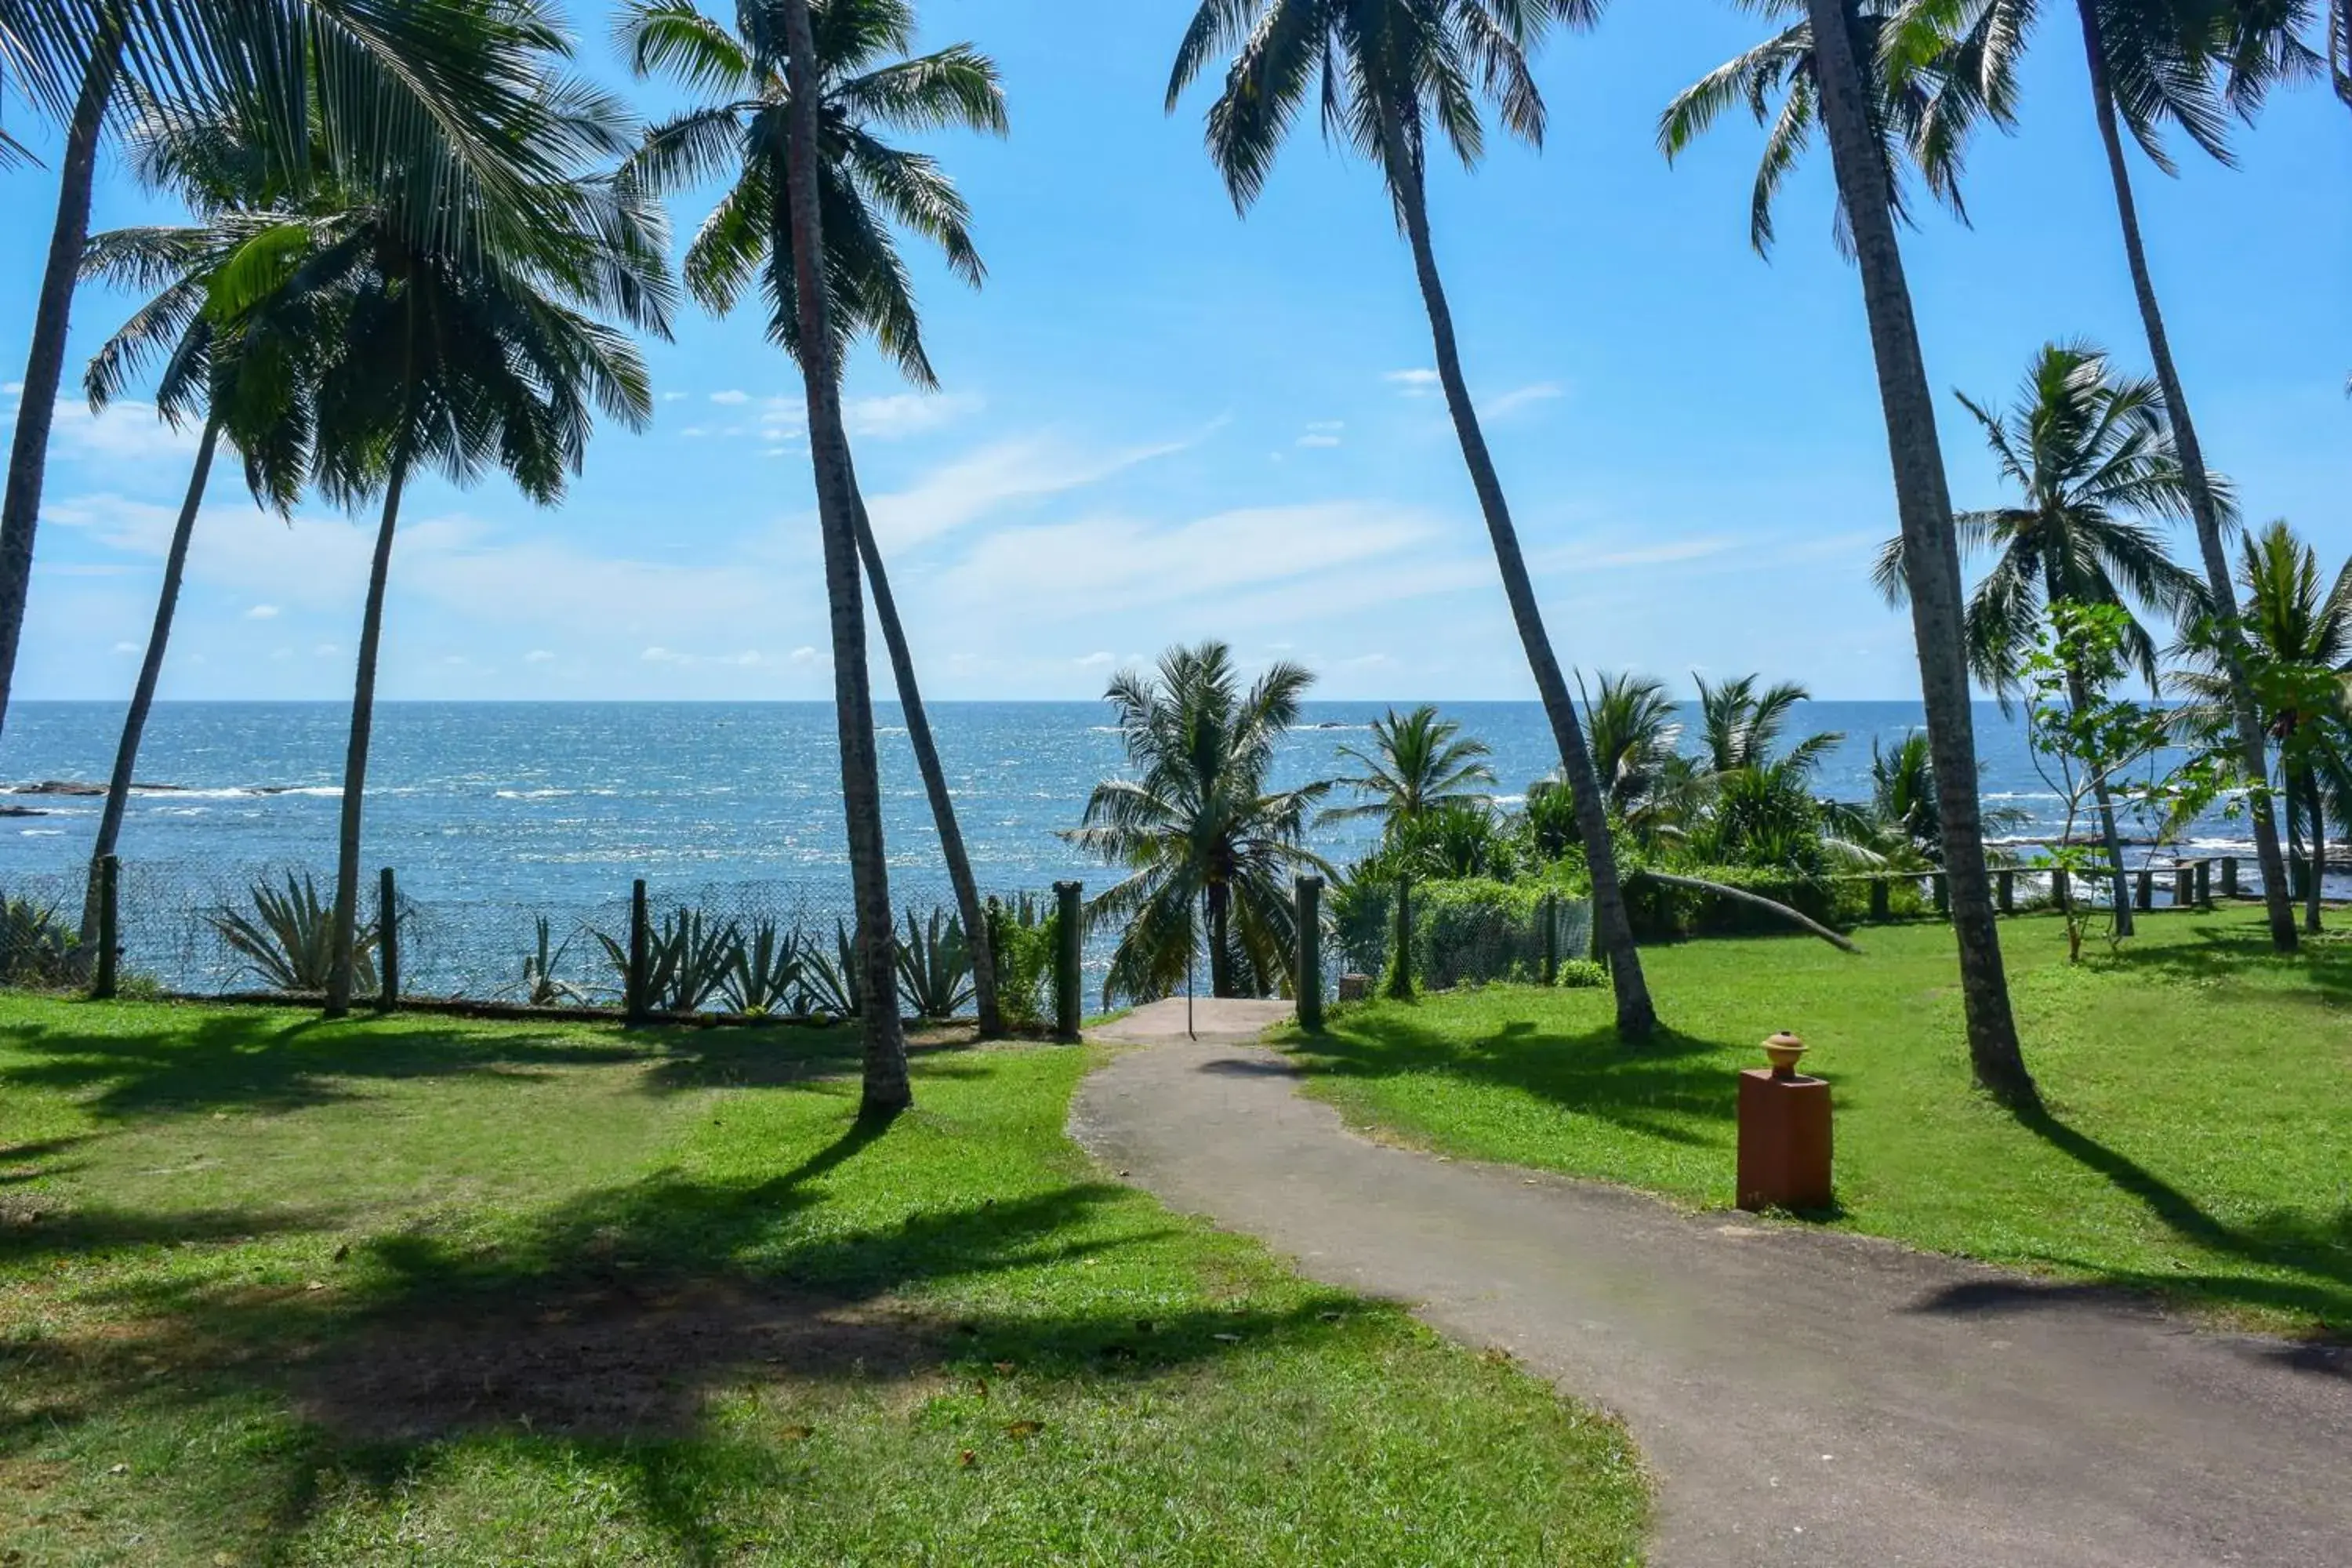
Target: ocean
column 494, row 812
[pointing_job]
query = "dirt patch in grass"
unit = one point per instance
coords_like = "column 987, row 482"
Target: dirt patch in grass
column 599, row 1357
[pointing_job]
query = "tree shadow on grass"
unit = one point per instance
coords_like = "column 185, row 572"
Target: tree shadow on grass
column 278, row 1061
column 2320, row 968
column 1659, row 1089
column 608, row 1323
column 2311, row 1253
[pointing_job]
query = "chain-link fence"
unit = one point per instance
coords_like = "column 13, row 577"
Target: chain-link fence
column 1460, row 934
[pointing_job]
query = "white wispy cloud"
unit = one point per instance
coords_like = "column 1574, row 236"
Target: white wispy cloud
column 902, row 413
column 731, row 396
column 262, row 613
column 1413, row 383
column 979, row 483
column 1521, row 398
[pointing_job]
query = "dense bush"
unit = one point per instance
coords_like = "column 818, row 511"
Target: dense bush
column 1022, row 936
column 1466, row 930
column 37, row 948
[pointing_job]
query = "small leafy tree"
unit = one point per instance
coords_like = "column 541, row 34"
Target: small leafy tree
column 2088, row 743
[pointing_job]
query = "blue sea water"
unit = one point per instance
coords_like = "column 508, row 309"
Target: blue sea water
column 505, row 810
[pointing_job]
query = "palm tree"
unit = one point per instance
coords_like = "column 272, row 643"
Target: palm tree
column 865, row 184
column 887, row 1089
column 1418, row 763
column 2299, row 632
column 2150, row 62
column 414, row 93
column 1759, row 795
column 461, row 355
column 1385, row 70
column 1910, row 121
column 1903, row 798
column 2093, row 455
column 204, row 379
column 1634, row 730
column 1198, row 830
column 1740, row 726
column 1846, row 98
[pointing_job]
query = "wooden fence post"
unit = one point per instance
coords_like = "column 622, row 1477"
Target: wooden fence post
column 2005, row 890
column 2184, row 887
column 2143, row 890
column 1942, row 883
column 634, row 1001
column 387, row 939
column 1068, row 950
column 1309, row 986
column 1879, row 907
column 1400, row 985
column 109, row 929
column 1547, row 911
column 2228, row 876
column 2204, row 884
column 2298, row 876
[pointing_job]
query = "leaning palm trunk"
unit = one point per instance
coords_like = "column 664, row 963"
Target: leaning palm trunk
column 887, row 1089
column 935, row 778
column 1931, row 559
column 1636, row 1017
column 20, row 508
column 340, row 978
column 150, row 669
column 2202, row 508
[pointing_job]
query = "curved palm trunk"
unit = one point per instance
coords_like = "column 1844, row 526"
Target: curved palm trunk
column 151, row 670
column 887, row 1089
column 355, row 755
column 1930, row 552
column 20, row 507
column 1637, row 1017
column 935, row 778
column 2252, row 752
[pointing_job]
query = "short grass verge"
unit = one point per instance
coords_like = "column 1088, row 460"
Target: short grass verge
column 2198, row 1090
column 274, row 1290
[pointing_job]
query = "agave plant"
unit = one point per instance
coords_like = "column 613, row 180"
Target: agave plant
column 539, row 985
column 935, row 966
column 36, row 949
column 288, row 938
column 686, row 961
column 829, row 983
column 765, row 969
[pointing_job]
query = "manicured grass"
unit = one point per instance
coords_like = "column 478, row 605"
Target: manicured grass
column 279, row 1291
column 2199, row 1135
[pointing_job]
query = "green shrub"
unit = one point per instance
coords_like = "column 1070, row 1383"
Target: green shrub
column 1468, row 931
column 935, row 966
column 1022, row 936
column 1581, row 974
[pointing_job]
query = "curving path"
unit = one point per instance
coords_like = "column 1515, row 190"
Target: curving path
column 1802, row 1396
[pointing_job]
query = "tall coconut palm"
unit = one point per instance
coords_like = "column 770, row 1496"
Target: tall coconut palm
column 1419, row 762
column 865, row 185
column 2093, row 454
column 457, row 356
column 2151, row 63
column 887, row 1089
column 414, row 93
column 1385, row 70
column 2298, row 627
column 1208, row 848
column 1846, row 93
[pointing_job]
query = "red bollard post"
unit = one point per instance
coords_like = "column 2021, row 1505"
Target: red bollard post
column 1784, row 1132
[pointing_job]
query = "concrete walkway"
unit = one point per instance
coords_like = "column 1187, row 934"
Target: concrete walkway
column 1802, row 1396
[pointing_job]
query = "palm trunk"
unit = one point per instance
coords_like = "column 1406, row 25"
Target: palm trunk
column 2202, row 508
column 1637, row 1017
column 887, row 1087
column 20, row 508
column 935, row 778
column 1930, row 551
column 355, row 755
column 2316, row 810
column 1221, row 962
column 150, row 669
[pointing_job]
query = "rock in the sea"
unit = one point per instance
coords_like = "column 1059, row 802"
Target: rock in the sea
column 60, row 786
column 22, row 811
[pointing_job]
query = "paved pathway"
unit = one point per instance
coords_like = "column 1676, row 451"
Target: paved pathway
column 1804, row 1398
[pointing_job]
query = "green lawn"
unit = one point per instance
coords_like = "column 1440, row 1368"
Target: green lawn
column 2199, row 1139
column 279, row 1291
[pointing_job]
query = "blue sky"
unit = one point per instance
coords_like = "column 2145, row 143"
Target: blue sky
column 1165, row 422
